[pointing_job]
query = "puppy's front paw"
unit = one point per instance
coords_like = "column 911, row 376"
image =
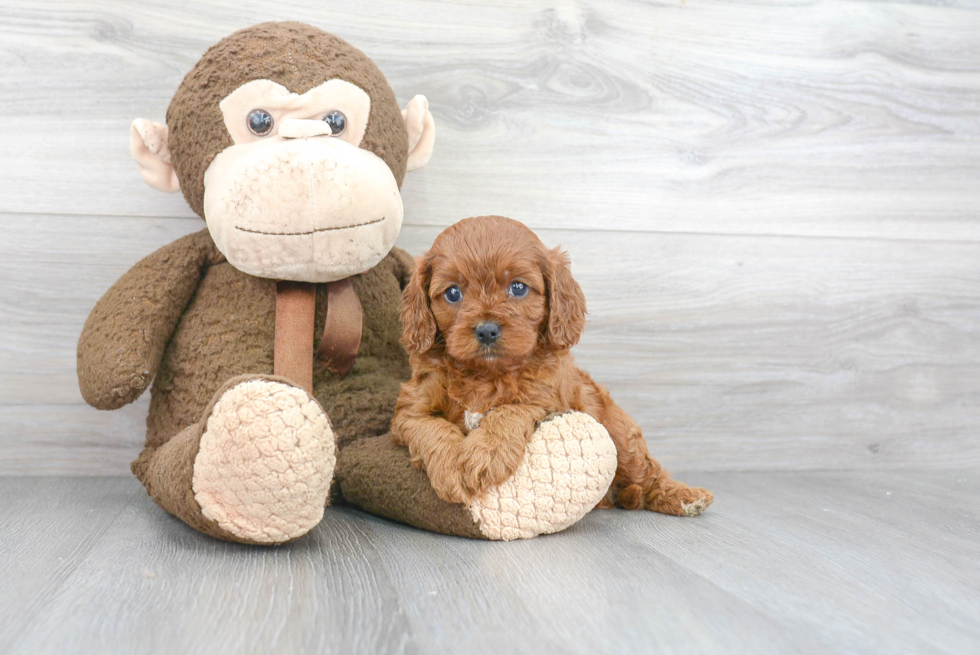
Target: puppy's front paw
column 446, row 480
column 486, row 462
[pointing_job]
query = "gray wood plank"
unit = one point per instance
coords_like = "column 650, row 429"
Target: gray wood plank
column 585, row 591
column 47, row 527
column 158, row 587
column 860, row 562
column 71, row 439
column 840, row 552
column 840, row 119
column 732, row 352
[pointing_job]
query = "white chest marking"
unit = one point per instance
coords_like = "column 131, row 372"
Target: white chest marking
column 472, row 419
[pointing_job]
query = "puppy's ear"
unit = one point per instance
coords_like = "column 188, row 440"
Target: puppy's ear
column 566, row 302
column 418, row 322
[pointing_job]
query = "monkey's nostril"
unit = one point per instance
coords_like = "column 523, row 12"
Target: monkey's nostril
column 487, row 332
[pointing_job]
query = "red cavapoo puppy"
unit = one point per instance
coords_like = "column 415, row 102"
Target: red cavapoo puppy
column 489, row 317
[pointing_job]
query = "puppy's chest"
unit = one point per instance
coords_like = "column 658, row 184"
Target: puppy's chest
column 471, row 401
column 475, row 398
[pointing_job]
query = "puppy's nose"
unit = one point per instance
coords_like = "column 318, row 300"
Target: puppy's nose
column 487, row 333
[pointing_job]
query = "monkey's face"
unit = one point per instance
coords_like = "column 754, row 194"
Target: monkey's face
column 296, row 197
column 289, row 142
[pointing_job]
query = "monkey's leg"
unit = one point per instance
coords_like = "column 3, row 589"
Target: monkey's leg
column 567, row 467
column 256, row 468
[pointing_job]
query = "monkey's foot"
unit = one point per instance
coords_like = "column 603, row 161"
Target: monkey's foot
column 265, row 462
column 569, row 464
column 567, row 469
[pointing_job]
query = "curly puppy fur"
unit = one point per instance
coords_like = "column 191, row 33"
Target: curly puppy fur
column 516, row 376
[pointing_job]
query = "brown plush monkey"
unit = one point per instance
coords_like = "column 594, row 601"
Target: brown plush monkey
column 272, row 336
column 289, row 142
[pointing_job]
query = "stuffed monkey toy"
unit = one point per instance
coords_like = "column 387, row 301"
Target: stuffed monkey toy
column 271, row 337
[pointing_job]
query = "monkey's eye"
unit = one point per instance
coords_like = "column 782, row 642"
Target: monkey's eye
column 453, row 294
column 259, row 122
column 337, row 122
column 518, row 289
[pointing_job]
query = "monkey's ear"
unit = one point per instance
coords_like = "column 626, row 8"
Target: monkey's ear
column 418, row 323
column 150, row 147
column 421, row 132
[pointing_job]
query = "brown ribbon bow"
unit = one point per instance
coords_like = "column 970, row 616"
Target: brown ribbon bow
column 295, row 315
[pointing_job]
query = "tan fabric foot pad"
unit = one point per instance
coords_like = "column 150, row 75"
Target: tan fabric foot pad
column 265, row 463
column 569, row 465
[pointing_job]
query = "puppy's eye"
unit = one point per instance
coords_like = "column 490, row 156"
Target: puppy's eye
column 453, row 294
column 259, row 122
column 518, row 289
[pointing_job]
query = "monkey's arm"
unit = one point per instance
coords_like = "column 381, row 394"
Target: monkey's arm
column 122, row 342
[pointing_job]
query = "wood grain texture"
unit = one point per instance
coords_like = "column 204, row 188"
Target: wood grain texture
column 832, row 118
column 869, row 562
column 772, row 207
column 731, row 352
column 47, row 527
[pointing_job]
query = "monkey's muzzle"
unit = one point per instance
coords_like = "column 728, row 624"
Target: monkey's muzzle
column 311, row 209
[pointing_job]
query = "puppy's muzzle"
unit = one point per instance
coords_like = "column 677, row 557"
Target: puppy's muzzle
column 487, row 333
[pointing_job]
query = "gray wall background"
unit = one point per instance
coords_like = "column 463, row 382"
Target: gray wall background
column 773, row 208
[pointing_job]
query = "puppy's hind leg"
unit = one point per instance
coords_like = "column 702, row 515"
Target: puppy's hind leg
column 640, row 482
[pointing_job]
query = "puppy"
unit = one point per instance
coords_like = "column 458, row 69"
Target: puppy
column 489, row 317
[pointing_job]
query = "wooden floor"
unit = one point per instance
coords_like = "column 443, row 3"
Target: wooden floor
column 813, row 562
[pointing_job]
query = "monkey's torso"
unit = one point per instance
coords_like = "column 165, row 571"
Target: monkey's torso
column 228, row 330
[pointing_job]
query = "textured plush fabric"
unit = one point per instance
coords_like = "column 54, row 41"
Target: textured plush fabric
column 265, row 462
column 311, row 210
column 377, row 476
column 226, row 330
column 167, row 472
column 296, row 55
column 186, row 319
column 121, row 345
column 187, row 482
column 570, row 462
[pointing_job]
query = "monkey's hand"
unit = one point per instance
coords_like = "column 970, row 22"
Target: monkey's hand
column 121, row 345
